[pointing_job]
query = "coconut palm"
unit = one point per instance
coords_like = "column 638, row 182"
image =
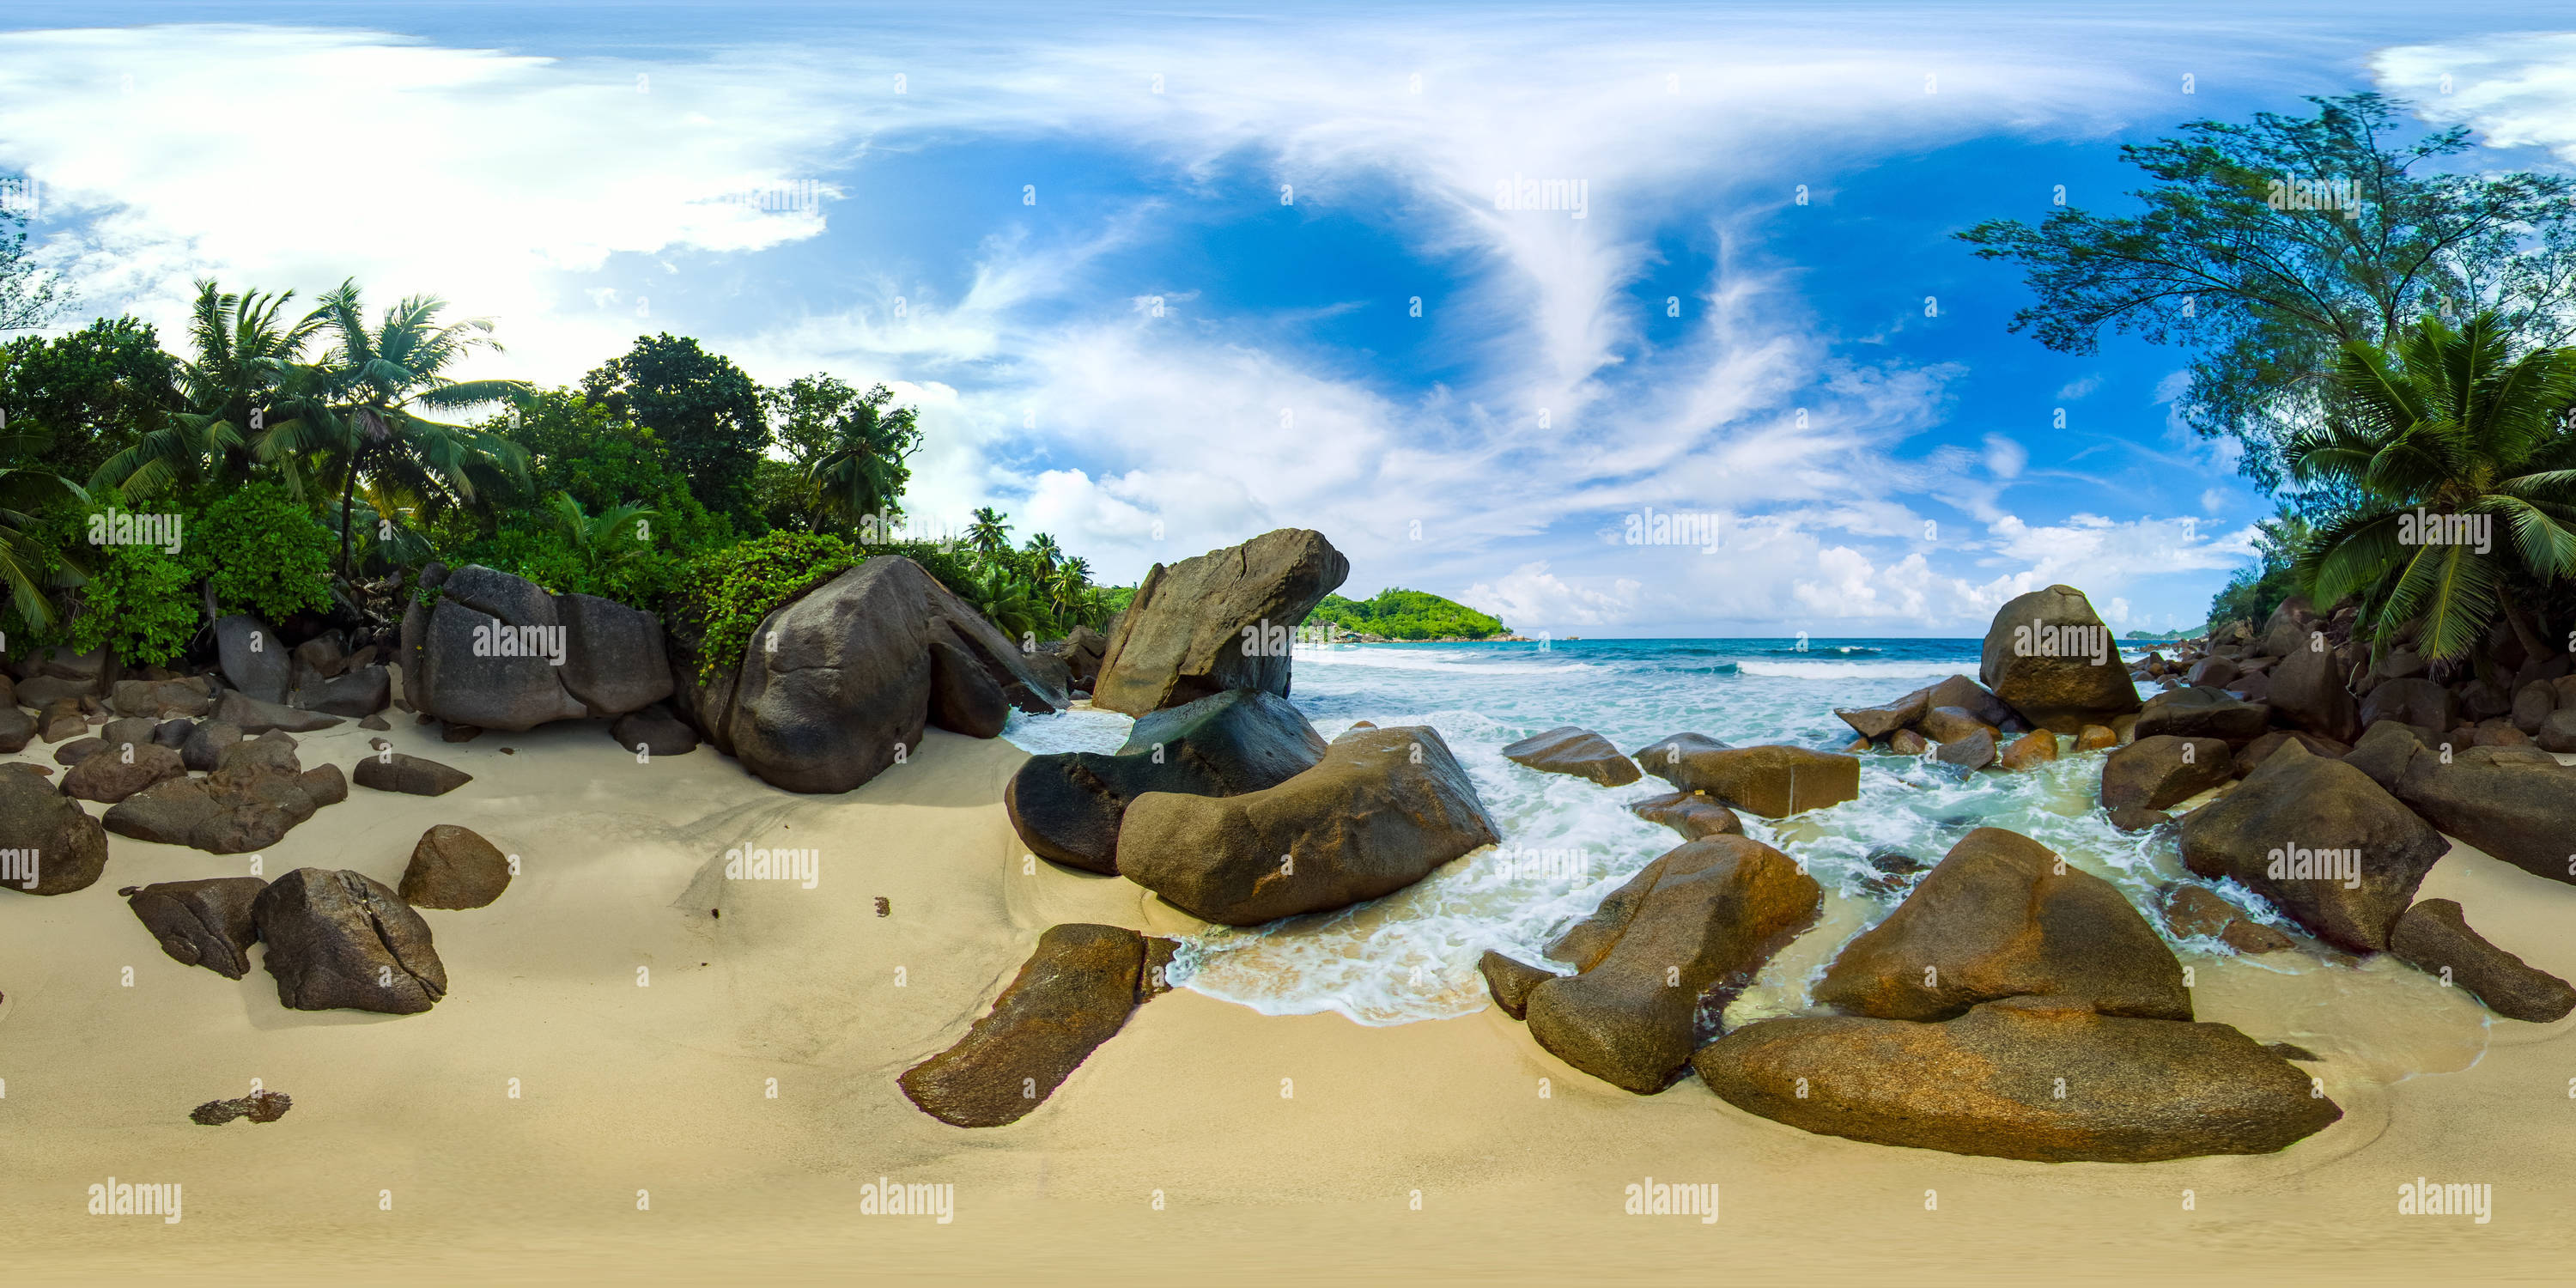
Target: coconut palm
column 1005, row 601
column 246, row 374
column 604, row 541
column 358, row 421
column 2447, row 424
column 1065, row 589
column 1043, row 551
column 989, row 534
column 25, row 486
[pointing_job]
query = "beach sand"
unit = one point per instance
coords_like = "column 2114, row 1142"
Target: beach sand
column 1284, row 1148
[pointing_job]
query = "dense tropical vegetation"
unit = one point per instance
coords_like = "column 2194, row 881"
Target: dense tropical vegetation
column 316, row 459
column 2385, row 341
column 1407, row 615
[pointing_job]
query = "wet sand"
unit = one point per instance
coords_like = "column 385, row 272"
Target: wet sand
column 406, row 1158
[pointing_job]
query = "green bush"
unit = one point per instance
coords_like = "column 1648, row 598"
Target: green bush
column 263, row 553
column 138, row 600
column 733, row 589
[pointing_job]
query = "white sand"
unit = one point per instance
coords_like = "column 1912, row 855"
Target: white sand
column 662, row 1088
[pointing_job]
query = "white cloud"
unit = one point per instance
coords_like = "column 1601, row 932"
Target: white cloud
column 2076, row 389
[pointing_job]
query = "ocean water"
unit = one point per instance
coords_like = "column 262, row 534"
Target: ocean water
column 1568, row 842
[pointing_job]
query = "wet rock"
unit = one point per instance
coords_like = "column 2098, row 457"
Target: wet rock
column 2003, row 916
column 342, row 940
column 655, row 731
column 963, row 697
column 2138, row 818
column 1986, row 1083
column 1380, row 811
column 48, row 845
column 1510, row 981
column 1074, row 993
column 1568, row 749
column 1067, row 807
column 1880, row 721
column 201, row 923
column 2320, row 841
column 2433, row 937
column 1773, row 782
column 2030, row 751
column 2192, row 910
column 454, row 867
column 1950, row 724
column 2164, row 770
column 1704, row 916
column 2050, row 658
column 396, row 772
column 1972, row 751
column 1185, row 636
column 1906, row 742
column 1688, row 813
column 120, row 771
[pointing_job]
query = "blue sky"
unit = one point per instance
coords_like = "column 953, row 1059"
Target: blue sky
column 1151, row 277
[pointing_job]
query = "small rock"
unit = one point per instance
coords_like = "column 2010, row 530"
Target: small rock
column 2433, row 937
column 396, row 772
column 454, row 868
column 2095, row 737
column 1571, row 749
column 459, row 733
column 2031, row 750
column 258, row 1106
column 1074, row 993
column 373, row 721
column 201, row 923
column 1688, row 813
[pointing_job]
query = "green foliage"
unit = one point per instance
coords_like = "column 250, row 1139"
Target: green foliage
column 731, row 590
column 1007, row 601
column 139, row 600
column 701, row 406
column 248, row 368
column 262, row 552
column 95, row 390
column 2448, row 425
column 846, row 453
column 2254, row 592
column 1407, row 615
column 2265, row 291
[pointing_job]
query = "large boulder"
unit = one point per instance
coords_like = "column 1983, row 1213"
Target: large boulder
column 2252, row 755
column 48, row 845
column 1381, row 810
column 2004, row 916
column 2432, row 936
column 1886, row 718
column 1572, row 749
column 255, row 661
column 201, row 923
column 1773, row 782
column 1220, row 621
column 120, row 770
column 963, row 697
column 2418, row 702
column 2319, row 840
column 1082, row 650
column 835, row 685
column 498, row 652
column 1074, row 993
column 256, row 797
column 2036, row 1078
column 2051, row 659
column 454, row 867
column 2153, row 773
column 1688, row 813
column 2202, row 712
column 342, row 940
column 1977, row 700
column 2307, row 692
column 1067, row 806
column 2516, row 803
column 1707, row 913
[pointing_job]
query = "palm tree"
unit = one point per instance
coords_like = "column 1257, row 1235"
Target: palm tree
column 2449, row 424
column 1004, row 600
column 359, row 421
column 248, row 362
column 1043, row 549
column 604, row 541
column 989, row 534
column 25, row 484
column 1066, row 588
